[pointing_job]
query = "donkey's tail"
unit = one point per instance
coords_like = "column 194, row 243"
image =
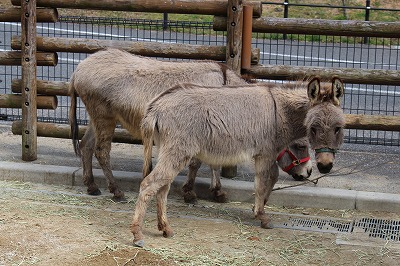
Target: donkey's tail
column 72, row 117
column 147, row 127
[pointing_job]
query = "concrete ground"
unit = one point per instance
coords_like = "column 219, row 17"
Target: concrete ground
column 364, row 177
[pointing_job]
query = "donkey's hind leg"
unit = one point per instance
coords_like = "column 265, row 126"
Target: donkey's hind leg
column 216, row 188
column 86, row 147
column 163, row 224
column 158, row 181
column 104, row 130
column 188, row 188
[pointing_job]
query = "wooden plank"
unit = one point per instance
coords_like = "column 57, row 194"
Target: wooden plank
column 319, row 27
column 348, row 75
column 44, row 87
column 17, row 101
column 153, row 49
column 13, row 58
column 63, row 131
column 373, row 122
column 13, row 14
column 28, row 67
column 203, row 7
column 367, row 122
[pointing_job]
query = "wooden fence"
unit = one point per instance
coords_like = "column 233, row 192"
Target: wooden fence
column 32, row 93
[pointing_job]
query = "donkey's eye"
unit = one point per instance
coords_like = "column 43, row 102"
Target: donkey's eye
column 314, row 131
column 301, row 147
column 337, row 130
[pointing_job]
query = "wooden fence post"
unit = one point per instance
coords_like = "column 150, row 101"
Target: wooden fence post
column 28, row 86
column 233, row 52
column 247, row 36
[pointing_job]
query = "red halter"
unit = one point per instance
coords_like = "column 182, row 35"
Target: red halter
column 295, row 161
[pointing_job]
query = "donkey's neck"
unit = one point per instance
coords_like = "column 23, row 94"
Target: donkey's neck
column 294, row 105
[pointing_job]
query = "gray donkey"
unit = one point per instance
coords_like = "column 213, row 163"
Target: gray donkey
column 115, row 87
column 294, row 160
column 225, row 126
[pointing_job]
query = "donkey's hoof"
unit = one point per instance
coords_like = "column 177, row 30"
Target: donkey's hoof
column 190, row 197
column 94, row 192
column 139, row 243
column 119, row 199
column 220, row 196
column 168, row 233
column 266, row 224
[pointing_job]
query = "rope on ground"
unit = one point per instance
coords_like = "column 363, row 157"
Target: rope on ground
column 334, row 173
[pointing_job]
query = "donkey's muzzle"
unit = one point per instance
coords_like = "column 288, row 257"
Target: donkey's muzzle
column 324, row 168
column 324, row 160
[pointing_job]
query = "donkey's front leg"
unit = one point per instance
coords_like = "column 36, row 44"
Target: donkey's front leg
column 266, row 177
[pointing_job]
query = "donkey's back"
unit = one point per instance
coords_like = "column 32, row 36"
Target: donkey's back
column 123, row 83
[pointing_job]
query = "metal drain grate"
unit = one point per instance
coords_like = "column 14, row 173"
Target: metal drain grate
column 378, row 228
column 311, row 223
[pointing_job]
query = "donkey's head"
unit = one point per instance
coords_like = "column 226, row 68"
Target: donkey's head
column 325, row 121
column 295, row 159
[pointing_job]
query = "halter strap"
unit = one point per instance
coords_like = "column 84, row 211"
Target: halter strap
column 325, row 149
column 295, row 161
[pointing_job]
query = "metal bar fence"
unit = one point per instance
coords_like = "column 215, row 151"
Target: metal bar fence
column 296, row 50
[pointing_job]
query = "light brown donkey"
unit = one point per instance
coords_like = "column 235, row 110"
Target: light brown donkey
column 115, row 87
column 225, row 126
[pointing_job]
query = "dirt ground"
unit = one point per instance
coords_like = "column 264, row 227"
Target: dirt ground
column 58, row 225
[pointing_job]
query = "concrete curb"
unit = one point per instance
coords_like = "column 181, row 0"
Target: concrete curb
column 242, row 191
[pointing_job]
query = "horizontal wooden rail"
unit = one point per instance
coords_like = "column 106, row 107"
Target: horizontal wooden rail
column 44, row 87
column 319, row 27
column 13, row 58
column 348, row 75
column 16, row 101
column 63, row 131
column 154, row 49
column 203, row 7
column 373, row 122
column 367, row 122
column 13, row 14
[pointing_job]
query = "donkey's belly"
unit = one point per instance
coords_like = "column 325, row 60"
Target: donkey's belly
column 224, row 159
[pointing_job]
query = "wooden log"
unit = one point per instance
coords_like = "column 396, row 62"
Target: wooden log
column 366, row 122
column 373, row 122
column 234, row 35
column 17, row 101
column 13, row 14
column 13, row 58
column 153, row 49
column 28, row 69
column 234, row 53
column 44, row 87
column 63, row 131
column 354, row 28
column 203, row 7
column 348, row 75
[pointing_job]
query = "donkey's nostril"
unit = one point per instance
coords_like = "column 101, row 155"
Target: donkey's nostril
column 309, row 172
column 324, row 168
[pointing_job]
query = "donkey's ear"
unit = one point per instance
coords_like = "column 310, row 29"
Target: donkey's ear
column 313, row 89
column 337, row 89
